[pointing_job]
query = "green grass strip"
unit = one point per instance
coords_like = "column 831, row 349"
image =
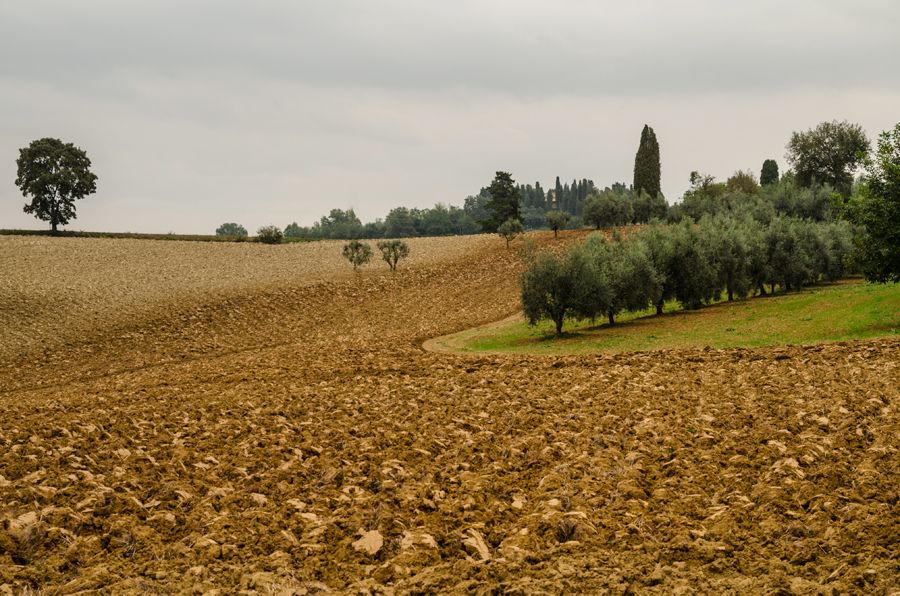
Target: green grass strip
column 842, row 311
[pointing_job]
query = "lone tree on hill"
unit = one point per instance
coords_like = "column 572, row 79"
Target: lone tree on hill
column 769, row 173
column 558, row 220
column 646, row 164
column 392, row 251
column 877, row 211
column 357, row 253
column 828, row 154
column 510, row 230
column 231, row 229
column 504, row 203
column 54, row 174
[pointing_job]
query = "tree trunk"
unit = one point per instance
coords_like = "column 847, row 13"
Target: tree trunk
column 559, row 323
column 730, row 295
column 611, row 319
column 762, row 290
column 555, row 232
column 659, row 306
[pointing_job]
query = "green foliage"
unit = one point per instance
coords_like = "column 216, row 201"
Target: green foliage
column 534, row 218
column 828, row 154
column 769, row 173
column 646, row 164
column 269, row 235
column 293, row 231
column 827, row 313
column 231, row 229
column 358, row 253
column 608, row 208
column 742, row 181
column 54, row 174
column 558, row 220
column 658, row 244
column 876, row 211
column 392, row 251
column 727, row 248
column 503, row 204
column 510, row 230
column 647, row 207
column 399, row 224
column 562, row 287
column 437, row 221
column 695, row 277
column 626, row 264
column 784, row 197
column 690, row 263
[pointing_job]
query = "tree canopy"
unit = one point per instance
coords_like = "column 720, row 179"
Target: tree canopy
column 828, row 154
column 231, row 229
column 54, row 174
column 769, row 173
column 877, row 211
column 646, row 164
column 558, row 220
column 504, row 203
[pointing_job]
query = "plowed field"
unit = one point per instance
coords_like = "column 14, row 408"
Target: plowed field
column 187, row 418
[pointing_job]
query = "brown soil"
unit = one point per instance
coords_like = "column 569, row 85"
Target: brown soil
column 214, row 419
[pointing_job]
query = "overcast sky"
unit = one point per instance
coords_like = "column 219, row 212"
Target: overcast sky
column 199, row 113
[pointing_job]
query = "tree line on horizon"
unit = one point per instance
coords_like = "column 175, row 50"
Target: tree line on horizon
column 819, row 187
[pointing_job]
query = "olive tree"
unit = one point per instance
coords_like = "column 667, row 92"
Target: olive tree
column 510, row 230
column 560, row 287
column 392, row 251
column 358, row 253
column 558, row 220
column 633, row 282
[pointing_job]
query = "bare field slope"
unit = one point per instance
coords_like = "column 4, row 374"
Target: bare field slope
column 185, row 418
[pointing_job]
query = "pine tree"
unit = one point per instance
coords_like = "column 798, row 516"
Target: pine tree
column 504, row 203
column 646, row 164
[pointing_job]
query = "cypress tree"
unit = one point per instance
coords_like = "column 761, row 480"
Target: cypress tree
column 573, row 197
column 769, row 173
column 540, row 199
column 646, row 164
column 558, row 195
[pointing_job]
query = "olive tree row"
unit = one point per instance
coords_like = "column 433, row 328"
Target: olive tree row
column 360, row 253
column 688, row 263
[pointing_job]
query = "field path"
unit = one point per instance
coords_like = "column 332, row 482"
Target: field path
column 183, row 418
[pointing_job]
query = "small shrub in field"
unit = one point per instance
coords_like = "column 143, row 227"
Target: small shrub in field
column 357, row 253
column 392, row 251
column 269, row 235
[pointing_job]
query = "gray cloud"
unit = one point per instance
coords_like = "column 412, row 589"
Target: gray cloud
column 199, row 112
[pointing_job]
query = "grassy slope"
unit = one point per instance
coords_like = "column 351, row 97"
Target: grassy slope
column 827, row 312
